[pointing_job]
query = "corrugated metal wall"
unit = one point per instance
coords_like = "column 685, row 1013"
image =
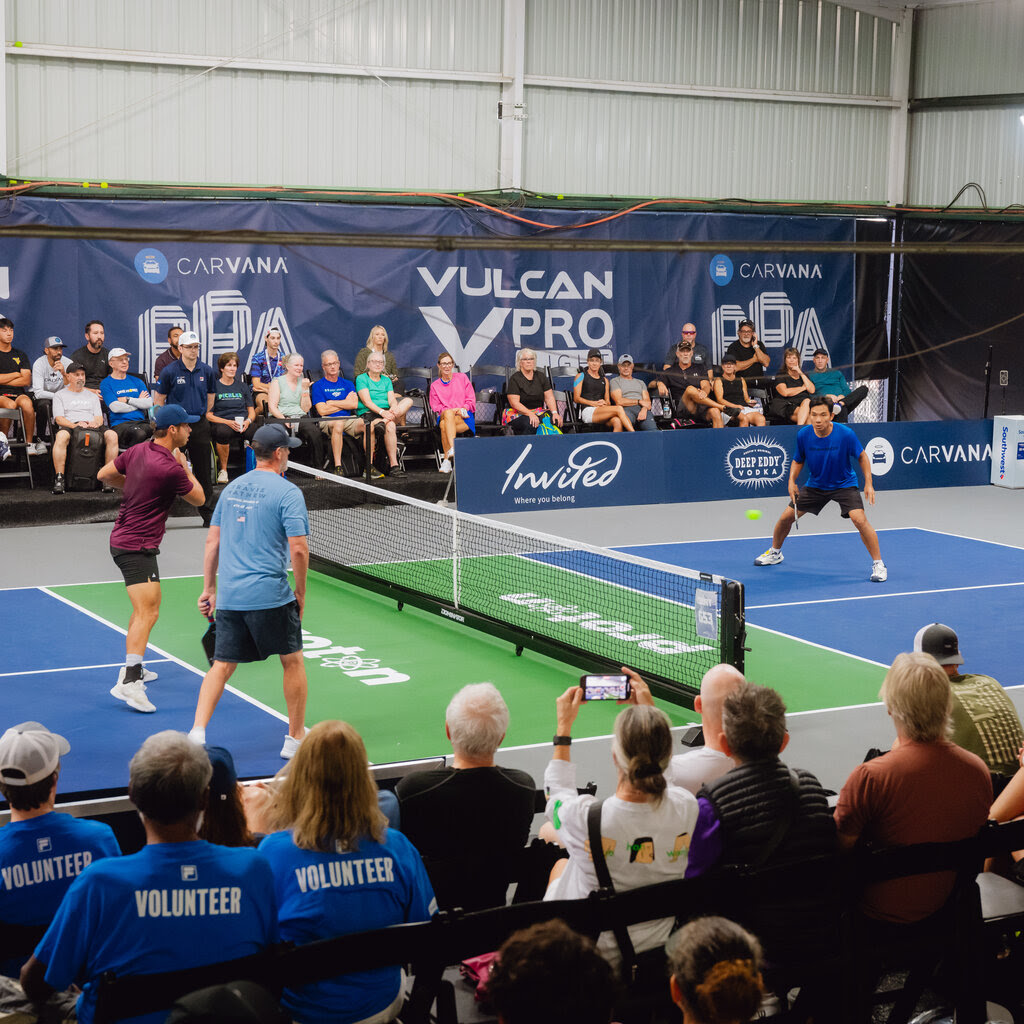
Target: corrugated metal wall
column 760, row 99
column 968, row 51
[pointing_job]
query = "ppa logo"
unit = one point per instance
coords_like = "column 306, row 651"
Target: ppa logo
column 720, row 269
column 759, row 462
column 881, row 454
column 151, row 265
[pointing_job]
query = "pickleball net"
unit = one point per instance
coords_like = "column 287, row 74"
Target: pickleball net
column 584, row 604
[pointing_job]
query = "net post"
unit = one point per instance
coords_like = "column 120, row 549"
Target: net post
column 734, row 625
column 455, row 560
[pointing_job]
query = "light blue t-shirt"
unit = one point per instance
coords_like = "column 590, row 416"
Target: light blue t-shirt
column 165, row 908
column 322, row 895
column 39, row 859
column 257, row 513
column 828, row 458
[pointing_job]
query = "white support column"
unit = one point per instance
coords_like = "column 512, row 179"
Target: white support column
column 3, row 89
column 513, row 113
column 899, row 124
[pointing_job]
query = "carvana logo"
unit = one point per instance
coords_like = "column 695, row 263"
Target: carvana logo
column 720, row 269
column 881, row 454
column 151, row 265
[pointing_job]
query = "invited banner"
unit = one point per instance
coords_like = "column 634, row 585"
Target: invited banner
column 481, row 306
column 522, row 474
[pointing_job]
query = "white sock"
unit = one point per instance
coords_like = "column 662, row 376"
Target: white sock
column 198, row 735
column 133, row 659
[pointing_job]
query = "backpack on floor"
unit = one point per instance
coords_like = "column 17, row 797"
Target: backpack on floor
column 353, row 461
column 85, row 456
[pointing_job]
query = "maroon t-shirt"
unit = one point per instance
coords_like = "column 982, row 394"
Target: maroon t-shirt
column 153, row 479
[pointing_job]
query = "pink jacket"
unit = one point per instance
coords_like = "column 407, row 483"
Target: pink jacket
column 456, row 394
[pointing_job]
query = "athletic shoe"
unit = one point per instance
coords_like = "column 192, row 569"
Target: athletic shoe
column 107, row 489
column 879, row 573
column 134, row 695
column 147, row 676
column 770, row 557
column 446, row 465
column 291, row 745
column 375, row 473
column 37, row 449
column 338, row 471
column 396, row 471
column 222, row 476
column 58, row 484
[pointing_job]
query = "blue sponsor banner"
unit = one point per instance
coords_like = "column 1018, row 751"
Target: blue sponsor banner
column 520, row 474
column 479, row 305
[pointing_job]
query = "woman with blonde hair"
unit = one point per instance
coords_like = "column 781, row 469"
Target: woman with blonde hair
column 339, row 869
column 289, row 398
column 715, row 970
column 645, row 827
column 377, row 341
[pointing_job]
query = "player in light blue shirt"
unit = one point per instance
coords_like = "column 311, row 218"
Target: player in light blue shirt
column 829, row 451
column 259, row 526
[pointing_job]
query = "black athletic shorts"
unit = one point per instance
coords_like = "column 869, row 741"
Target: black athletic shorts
column 136, row 566
column 256, row 635
column 813, row 500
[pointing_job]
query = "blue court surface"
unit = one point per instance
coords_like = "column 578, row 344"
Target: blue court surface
column 61, row 669
column 821, row 592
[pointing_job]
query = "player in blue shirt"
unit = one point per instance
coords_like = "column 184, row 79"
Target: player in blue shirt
column 829, row 450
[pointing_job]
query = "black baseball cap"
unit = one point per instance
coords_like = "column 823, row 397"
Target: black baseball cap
column 74, row 368
column 595, row 353
column 940, row 642
column 747, row 323
column 821, row 351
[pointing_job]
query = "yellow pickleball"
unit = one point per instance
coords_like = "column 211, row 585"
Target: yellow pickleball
column 753, row 513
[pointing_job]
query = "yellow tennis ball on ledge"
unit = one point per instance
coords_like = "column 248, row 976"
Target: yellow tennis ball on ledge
column 753, row 513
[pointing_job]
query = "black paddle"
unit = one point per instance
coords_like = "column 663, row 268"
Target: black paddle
column 210, row 639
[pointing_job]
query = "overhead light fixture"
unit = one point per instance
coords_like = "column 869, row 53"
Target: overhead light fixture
column 1022, row 118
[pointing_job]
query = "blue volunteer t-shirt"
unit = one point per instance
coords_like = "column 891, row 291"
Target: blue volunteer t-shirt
column 165, row 908
column 257, row 513
column 322, row 895
column 120, row 391
column 828, row 459
column 39, row 859
column 324, row 390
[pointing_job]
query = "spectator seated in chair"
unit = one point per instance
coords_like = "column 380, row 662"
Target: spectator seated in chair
column 128, row 401
column 93, row 355
column 15, row 384
column 793, row 391
column 177, row 903
column 834, row 386
column 377, row 397
column 471, row 819
column 75, row 407
column 171, row 353
column 590, row 391
column 529, row 396
column 41, row 852
column 336, row 401
column 632, row 395
column 731, row 392
column 265, row 368
column 690, row 388
column 233, row 416
column 454, row 404
column 49, row 375
column 289, row 398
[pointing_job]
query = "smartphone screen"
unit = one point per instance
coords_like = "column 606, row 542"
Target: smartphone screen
column 605, row 687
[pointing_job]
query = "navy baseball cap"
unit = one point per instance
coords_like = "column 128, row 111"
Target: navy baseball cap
column 273, row 435
column 171, row 415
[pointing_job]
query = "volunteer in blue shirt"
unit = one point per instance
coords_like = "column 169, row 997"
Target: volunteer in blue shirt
column 41, row 852
column 177, row 903
column 829, row 449
column 339, row 869
column 189, row 382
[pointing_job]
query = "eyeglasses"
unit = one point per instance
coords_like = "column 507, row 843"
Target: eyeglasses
column 446, row 362
column 189, row 346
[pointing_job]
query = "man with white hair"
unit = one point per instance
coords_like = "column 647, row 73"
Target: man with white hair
column 703, row 764
column 470, row 819
column 177, row 903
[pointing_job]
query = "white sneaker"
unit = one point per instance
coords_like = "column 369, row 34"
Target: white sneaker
column 770, row 557
column 879, row 573
column 37, row 449
column 291, row 746
column 134, row 695
column 450, row 454
column 222, row 476
column 446, row 466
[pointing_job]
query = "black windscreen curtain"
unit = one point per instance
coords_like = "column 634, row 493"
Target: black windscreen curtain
column 944, row 298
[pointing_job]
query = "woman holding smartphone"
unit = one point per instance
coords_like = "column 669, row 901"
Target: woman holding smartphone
column 645, row 826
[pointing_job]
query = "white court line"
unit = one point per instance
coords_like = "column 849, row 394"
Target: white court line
column 872, row 597
column 811, row 643
column 167, row 657
column 737, row 540
column 963, row 536
column 98, row 583
column 76, row 668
